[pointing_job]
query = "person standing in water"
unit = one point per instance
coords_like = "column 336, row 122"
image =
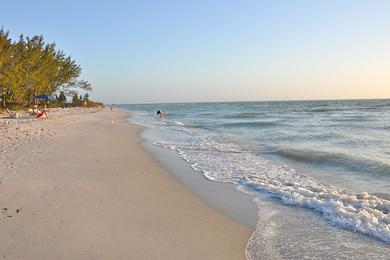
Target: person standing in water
column 160, row 113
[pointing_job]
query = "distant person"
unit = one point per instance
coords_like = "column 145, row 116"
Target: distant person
column 35, row 110
column 160, row 113
column 42, row 114
column 112, row 108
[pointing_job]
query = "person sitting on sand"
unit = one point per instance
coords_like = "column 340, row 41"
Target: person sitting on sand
column 42, row 114
column 33, row 111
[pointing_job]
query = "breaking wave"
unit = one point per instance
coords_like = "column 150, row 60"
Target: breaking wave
column 227, row 162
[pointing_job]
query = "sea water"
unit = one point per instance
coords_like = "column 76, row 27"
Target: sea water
column 319, row 171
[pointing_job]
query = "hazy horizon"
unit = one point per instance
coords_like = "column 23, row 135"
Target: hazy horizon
column 240, row 101
column 209, row 51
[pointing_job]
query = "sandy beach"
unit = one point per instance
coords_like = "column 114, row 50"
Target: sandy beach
column 79, row 186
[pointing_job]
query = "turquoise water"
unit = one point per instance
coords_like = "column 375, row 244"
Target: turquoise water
column 329, row 157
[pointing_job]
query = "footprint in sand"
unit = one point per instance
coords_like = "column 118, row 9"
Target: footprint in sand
column 5, row 212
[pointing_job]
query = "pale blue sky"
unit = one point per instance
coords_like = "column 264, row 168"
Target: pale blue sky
column 181, row 51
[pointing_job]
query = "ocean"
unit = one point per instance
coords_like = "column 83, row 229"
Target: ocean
column 318, row 171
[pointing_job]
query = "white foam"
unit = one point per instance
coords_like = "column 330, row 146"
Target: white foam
column 227, row 162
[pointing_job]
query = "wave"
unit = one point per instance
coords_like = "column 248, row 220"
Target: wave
column 354, row 119
column 227, row 162
column 358, row 164
column 243, row 115
column 359, row 212
column 187, row 127
column 251, row 124
column 326, row 109
column 377, row 106
column 321, row 110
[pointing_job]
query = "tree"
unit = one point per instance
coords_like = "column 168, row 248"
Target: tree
column 75, row 99
column 5, row 57
column 61, row 97
column 30, row 66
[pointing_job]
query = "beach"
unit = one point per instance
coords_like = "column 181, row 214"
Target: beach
column 317, row 171
column 79, row 185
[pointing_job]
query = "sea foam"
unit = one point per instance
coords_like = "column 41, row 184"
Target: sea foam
column 228, row 162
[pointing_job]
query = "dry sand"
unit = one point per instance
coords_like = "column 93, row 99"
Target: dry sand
column 76, row 186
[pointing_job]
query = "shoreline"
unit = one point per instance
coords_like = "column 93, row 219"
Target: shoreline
column 207, row 144
column 224, row 197
column 69, row 196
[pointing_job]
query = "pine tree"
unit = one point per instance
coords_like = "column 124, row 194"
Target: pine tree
column 5, row 57
column 75, row 99
column 61, row 97
column 30, row 67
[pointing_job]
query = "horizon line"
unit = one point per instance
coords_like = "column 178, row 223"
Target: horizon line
column 242, row 101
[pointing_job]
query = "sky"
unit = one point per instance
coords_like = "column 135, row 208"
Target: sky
column 217, row 50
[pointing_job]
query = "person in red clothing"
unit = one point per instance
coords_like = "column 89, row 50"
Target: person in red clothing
column 42, row 114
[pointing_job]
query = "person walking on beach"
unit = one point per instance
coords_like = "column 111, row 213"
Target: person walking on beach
column 112, row 109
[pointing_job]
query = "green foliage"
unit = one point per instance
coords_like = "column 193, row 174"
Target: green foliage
column 75, row 99
column 30, row 66
column 95, row 104
column 61, row 97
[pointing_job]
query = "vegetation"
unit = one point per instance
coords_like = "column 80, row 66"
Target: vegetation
column 61, row 98
column 30, row 67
